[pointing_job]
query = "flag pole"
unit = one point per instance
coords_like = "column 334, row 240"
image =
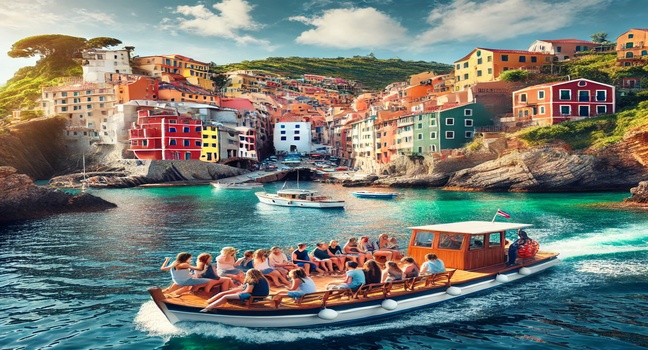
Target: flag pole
column 495, row 215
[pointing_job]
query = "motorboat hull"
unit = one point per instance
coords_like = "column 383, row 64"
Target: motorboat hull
column 273, row 199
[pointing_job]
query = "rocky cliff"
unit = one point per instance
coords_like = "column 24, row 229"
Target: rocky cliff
column 21, row 199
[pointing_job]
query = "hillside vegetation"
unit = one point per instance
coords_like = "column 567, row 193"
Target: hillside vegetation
column 372, row 73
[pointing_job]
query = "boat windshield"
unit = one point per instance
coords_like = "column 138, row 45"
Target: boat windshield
column 424, row 239
column 450, row 241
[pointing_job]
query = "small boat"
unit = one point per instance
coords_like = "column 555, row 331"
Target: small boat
column 237, row 186
column 299, row 198
column 474, row 254
column 378, row 195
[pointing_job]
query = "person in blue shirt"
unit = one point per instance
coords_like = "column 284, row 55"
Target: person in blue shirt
column 255, row 286
column 300, row 258
column 354, row 277
column 432, row 265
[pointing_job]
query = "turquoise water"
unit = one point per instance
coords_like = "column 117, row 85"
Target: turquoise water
column 79, row 280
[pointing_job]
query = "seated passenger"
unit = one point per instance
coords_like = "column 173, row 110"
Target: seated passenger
column 410, row 269
column 280, row 261
column 354, row 278
column 300, row 258
column 432, row 265
column 322, row 257
column 372, row 272
column 523, row 238
column 255, row 286
column 246, row 262
column 301, row 284
column 389, row 245
column 182, row 276
column 373, row 248
column 392, row 272
column 353, row 252
column 225, row 265
column 208, row 270
column 262, row 264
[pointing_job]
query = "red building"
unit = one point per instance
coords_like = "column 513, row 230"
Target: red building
column 163, row 134
column 556, row 102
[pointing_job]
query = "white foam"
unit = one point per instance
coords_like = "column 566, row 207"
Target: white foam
column 608, row 241
column 150, row 319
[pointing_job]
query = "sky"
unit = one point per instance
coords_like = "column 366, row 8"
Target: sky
column 230, row 31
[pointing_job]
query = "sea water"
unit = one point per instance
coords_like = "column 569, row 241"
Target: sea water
column 76, row 281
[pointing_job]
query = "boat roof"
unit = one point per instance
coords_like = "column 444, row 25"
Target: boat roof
column 472, row 227
column 296, row 191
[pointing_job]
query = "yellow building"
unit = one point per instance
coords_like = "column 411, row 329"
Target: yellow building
column 483, row 65
column 209, row 151
column 196, row 73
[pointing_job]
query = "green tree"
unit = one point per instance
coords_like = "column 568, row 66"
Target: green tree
column 514, row 75
column 599, row 37
column 57, row 45
column 101, row 42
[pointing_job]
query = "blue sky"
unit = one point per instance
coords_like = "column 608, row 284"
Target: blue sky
column 226, row 31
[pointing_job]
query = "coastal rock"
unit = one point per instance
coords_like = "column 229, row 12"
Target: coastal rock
column 549, row 170
column 363, row 182
column 639, row 194
column 21, row 199
column 421, row 181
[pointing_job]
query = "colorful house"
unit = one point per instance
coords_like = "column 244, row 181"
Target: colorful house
column 482, row 65
column 552, row 103
column 632, row 47
column 195, row 72
column 562, row 49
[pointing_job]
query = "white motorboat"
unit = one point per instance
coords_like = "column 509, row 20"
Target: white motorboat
column 377, row 195
column 299, row 198
column 237, row 186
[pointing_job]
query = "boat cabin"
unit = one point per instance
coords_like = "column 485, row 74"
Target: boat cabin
column 299, row 194
column 466, row 245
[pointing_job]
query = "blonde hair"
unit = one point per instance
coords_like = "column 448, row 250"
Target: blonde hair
column 228, row 250
column 253, row 276
column 260, row 253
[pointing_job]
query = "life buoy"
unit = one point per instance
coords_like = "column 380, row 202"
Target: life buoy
column 528, row 250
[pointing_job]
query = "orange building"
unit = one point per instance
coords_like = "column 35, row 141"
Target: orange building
column 133, row 87
column 563, row 49
column 482, row 65
column 195, row 72
column 632, row 47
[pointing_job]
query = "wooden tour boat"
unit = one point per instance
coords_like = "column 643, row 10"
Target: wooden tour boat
column 474, row 253
column 377, row 195
column 299, row 198
column 237, row 186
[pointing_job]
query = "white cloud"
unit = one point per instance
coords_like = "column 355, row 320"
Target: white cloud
column 38, row 15
column 351, row 28
column 231, row 18
column 496, row 20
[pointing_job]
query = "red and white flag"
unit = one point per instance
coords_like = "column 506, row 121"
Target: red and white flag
column 501, row 213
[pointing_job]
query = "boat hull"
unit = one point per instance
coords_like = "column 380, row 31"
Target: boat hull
column 349, row 313
column 375, row 195
column 237, row 186
column 273, row 199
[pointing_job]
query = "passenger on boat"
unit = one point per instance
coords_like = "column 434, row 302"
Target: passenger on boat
column 255, row 286
column 352, row 251
column 181, row 273
column 335, row 250
column 411, row 268
column 301, row 258
column 208, row 270
column 372, row 272
column 392, row 272
column 354, row 278
column 301, row 284
column 324, row 258
column 432, row 265
column 373, row 248
column 389, row 245
column 280, row 261
column 246, row 262
column 262, row 264
column 225, row 265
column 523, row 239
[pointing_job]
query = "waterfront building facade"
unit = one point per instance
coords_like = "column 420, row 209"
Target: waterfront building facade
column 195, row 72
column 96, row 63
column 292, row 137
column 562, row 49
column 632, row 47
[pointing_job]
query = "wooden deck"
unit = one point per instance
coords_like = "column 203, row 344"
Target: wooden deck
column 367, row 293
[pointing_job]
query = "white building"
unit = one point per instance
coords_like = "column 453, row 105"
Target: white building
column 293, row 137
column 96, row 63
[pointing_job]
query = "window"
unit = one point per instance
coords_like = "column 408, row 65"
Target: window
column 297, row 138
column 630, row 36
column 433, row 148
column 565, row 110
column 489, row 59
column 522, row 59
column 578, row 48
column 173, row 129
column 490, row 70
column 89, row 99
column 601, row 95
column 283, row 138
column 172, row 142
column 582, row 83
column 468, row 112
column 534, row 59
column 644, row 52
column 283, row 132
column 465, row 65
column 468, row 123
column 433, row 135
column 419, row 136
column 565, row 95
column 583, row 95
column 494, row 239
column 469, row 134
column 449, row 121
column 541, row 95
column 432, row 122
column 600, row 110
column 629, row 45
column 476, row 242
column 479, row 73
column 458, row 66
column 297, row 126
column 449, row 135
column 450, row 241
column 419, row 126
column 542, row 109
column 583, row 111
column 198, row 143
column 558, row 49
column 424, row 239
column 420, row 117
column 283, row 126
column 186, row 143
column 504, row 58
column 465, row 76
column 523, row 97
column 296, row 132
column 479, row 61
column 185, row 129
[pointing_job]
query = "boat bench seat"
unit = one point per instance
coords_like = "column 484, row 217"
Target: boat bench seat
column 446, row 276
column 322, row 298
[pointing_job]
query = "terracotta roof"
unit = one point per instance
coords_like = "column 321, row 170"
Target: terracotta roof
column 237, row 103
column 525, row 52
